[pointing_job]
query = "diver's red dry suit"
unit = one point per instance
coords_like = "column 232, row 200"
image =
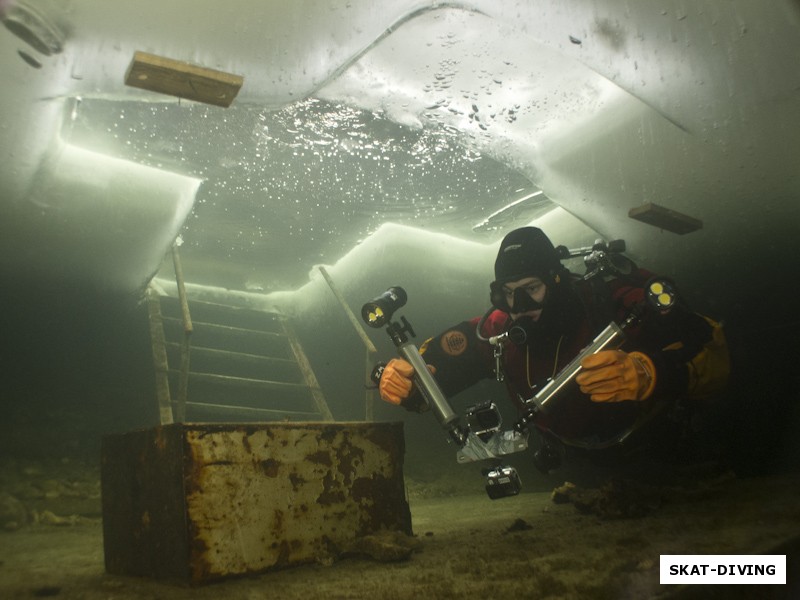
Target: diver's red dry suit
column 688, row 350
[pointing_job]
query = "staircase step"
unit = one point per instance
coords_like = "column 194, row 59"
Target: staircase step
column 241, row 362
column 237, row 364
column 210, row 312
column 242, row 381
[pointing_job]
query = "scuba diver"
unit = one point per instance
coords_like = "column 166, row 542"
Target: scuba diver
column 670, row 359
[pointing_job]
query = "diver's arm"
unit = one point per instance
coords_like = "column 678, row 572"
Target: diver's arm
column 457, row 359
column 460, row 360
column 688, row 352
column 669, row 353
column 695, row 362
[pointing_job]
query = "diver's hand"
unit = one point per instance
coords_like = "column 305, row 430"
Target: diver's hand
column 396, row 381
column 614, row 376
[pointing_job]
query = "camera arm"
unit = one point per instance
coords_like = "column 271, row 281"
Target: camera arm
column 660, row 297
column 432, row 393
column 377, row 313
column 609, row 338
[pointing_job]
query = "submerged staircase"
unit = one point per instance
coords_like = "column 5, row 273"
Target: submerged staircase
column 216, row 363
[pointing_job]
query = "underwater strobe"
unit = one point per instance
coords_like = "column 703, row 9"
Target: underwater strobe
column 379, row 312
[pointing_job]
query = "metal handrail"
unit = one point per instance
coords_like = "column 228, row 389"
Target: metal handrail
column 183, row 382
column 371, row 350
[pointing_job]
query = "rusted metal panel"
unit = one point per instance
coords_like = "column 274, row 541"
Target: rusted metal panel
column 204, row 502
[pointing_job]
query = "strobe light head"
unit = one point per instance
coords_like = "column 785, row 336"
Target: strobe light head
column 661, row 295
column 378, row 311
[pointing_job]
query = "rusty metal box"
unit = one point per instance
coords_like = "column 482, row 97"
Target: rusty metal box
column 200, row 502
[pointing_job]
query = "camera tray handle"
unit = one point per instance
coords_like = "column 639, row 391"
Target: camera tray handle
column 432, row 393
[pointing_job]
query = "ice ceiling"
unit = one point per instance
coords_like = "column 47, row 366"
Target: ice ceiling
column 285, row 190
column 461, row 118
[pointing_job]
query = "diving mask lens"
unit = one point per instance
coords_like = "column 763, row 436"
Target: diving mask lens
column 498, row 297
column 521, row 297
column 523, row 302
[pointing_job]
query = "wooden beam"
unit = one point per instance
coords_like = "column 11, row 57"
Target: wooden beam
column 665, row 218
column 308, row 374
column 182, row 79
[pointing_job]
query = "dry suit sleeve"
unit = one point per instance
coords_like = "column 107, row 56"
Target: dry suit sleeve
column 690, row 354
column 459, row 357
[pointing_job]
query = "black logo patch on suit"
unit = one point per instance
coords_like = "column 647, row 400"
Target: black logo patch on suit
column 454, row 343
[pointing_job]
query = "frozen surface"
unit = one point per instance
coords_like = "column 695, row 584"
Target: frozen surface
column 431, row 115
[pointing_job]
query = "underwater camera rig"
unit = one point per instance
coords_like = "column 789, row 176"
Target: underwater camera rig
column 482, row 434
column 483, row 437
column 377, row 313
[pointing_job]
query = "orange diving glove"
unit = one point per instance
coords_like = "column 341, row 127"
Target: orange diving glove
column 396, row 383
column 614, row 376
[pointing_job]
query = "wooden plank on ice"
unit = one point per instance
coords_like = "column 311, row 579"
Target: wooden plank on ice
column 665, row 218
column 182, row 79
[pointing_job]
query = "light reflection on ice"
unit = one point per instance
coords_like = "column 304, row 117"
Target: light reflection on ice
column 286, row 189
